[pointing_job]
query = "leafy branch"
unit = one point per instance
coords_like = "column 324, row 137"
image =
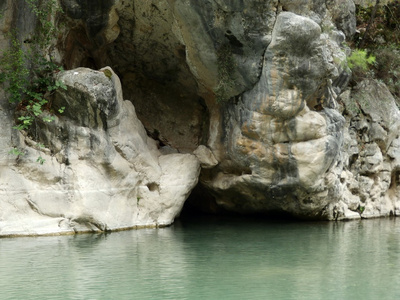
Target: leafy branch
column 28, row 72
column 360, row 59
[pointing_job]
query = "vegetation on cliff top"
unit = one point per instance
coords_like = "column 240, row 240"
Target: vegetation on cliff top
column 378, row 34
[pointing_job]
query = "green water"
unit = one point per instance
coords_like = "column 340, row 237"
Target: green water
column 210, row 259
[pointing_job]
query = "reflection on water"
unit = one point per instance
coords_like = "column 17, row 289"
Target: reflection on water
column 210, row 259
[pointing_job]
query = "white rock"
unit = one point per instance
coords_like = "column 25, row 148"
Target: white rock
column 206, row 157
column 107, row 175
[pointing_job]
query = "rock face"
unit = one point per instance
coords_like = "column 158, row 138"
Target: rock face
column 370, row 177
column 281, row 151
column 102, row 172
column 137, row 39
column 253, row 92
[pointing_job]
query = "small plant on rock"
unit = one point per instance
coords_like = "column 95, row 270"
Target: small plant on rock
column 360, row 59
column 359, row 63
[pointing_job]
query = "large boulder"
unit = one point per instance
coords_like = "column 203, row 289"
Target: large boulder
column 279, row 148
column 101, row 170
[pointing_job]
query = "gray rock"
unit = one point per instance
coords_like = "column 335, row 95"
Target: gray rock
column 373, row 153
column 279, row 153
column 343, row 14
column 206, row 157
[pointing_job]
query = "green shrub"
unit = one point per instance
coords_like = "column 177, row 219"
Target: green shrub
column 27, row 71
column 360, row 60
column 380, row 34
column 360, row 65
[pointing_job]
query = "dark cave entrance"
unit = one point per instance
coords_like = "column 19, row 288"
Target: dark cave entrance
column 202, row 204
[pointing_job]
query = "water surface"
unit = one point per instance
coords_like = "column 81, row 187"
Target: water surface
column 210, row 258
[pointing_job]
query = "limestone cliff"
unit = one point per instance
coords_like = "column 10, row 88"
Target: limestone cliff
column 253, row 92
column 102, row 172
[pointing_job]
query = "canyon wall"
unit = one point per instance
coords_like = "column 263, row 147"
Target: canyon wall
column 242, row 104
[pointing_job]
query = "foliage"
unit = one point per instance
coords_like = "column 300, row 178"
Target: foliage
column 14, row 70
column 385, row 26
column 27, row 69
column 360, row 64
column 16, row 152
column 44, row 10
column 380, row 36
column 359, row 59
column 40, row 160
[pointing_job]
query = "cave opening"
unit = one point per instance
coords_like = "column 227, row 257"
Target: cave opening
column 201, row 204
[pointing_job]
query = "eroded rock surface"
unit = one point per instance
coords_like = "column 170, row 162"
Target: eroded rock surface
column 370, row 178
column 281, row 138
column 248, row 89
column 102, row 171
